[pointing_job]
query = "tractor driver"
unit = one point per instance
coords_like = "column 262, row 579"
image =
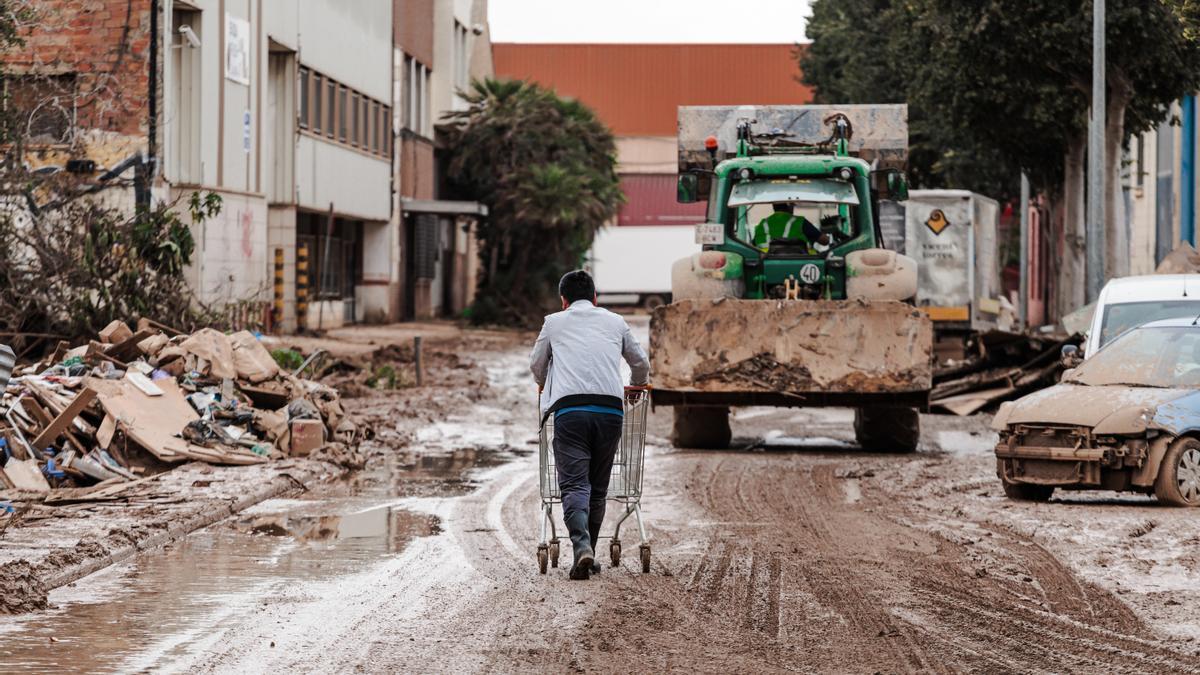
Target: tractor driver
column 782, row 224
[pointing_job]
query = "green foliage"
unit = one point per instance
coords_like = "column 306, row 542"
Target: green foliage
column 999, row 86
column 387, row 377
column 71, row 270
column 287, row 359
column 546, row 169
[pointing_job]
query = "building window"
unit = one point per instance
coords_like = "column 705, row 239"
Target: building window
column 343, row 120
column 332, row 277
column 338, row 112
column 1140, row 174
column 42, row 107
column 318, row 88
column 364, row 124
column 461, row 56
column 330, row 107
column 183, row 100
column 303, row 112
column 376, row 124
column 416, row 98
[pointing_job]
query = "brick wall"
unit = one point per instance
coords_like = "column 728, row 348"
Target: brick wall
column 105, row 46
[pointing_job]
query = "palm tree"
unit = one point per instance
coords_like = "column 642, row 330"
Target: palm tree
column 546, row 168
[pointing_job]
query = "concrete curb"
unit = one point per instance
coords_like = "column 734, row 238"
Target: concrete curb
column 203, row 516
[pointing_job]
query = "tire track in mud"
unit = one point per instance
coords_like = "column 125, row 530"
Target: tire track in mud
column 783, row 498
column 1068, row 595
column 824, row 579
column 1041, row 640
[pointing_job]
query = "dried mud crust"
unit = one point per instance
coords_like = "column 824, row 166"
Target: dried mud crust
column 23, row 588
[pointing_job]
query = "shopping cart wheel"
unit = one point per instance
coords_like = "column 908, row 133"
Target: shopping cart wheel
column 614, row 551
column 554, row 553
column 543, row 558
column 645, row 550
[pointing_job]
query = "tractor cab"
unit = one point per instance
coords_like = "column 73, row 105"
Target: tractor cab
column 789, row 210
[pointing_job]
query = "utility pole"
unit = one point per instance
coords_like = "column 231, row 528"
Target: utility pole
column 1023, row 304
column 1096, row 178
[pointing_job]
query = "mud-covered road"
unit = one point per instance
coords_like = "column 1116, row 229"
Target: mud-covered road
column 797, row 552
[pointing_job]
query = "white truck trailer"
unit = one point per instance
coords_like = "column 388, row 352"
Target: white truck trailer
column 632, row 264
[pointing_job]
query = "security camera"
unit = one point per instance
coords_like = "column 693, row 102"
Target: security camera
column 477, row 29
column 188, row 34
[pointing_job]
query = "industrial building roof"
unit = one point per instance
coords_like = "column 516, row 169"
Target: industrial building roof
column 636, row 88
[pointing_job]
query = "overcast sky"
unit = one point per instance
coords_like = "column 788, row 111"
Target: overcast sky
column 768, row 21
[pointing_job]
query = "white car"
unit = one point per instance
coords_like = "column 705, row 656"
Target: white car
column 1129, row 302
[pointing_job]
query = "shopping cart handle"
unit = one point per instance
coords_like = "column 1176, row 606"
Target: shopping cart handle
column 637, row 387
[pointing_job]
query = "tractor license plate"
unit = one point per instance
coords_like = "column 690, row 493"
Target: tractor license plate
column 710, row 233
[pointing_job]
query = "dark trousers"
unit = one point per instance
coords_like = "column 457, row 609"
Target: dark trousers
column 584, row 445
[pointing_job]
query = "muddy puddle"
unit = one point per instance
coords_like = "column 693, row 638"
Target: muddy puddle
column 164, row 604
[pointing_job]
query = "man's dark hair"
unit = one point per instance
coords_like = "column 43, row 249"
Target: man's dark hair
column 783, row 207
column 577, row 285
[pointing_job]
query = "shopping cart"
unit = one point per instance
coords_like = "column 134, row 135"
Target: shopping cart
column 625, row 487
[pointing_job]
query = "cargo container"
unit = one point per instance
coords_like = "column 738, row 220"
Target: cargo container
column 631, row 265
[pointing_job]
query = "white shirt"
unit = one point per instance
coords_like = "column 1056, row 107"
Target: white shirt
column 579, row 352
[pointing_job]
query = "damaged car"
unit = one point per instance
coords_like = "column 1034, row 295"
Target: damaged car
column 1126, row 419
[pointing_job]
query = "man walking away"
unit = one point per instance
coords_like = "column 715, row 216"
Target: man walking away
column 577, row 364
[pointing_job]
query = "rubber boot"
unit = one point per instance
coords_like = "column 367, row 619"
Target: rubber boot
column 594, row 532
column 577, row 527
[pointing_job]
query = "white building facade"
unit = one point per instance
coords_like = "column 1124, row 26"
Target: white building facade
column 284, row 109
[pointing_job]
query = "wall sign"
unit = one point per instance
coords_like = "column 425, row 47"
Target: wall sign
column 237, row 49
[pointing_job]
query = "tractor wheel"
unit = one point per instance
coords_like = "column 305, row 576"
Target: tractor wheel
column 1178, row 482
column 650, row 302
column 1025, row 492
column 887, row 429
column 704, row 427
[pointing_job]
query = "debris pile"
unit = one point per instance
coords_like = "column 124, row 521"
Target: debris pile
column 391, row 367
column 135, row 402
column 1001, row 366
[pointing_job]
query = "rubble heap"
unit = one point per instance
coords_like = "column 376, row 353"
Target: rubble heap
column 1001, row 366
column 136, row 402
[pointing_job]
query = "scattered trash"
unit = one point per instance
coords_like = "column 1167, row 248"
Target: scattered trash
column 134, row 402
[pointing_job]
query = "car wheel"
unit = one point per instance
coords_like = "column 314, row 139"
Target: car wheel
column 1178, row 481
column 1028, row 493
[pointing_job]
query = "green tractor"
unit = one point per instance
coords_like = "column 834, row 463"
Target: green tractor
column 794, row 300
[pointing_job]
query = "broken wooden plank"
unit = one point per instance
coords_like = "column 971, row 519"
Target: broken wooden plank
column 144, row 323
column 97, row 352
column 982, row 380
column 51, row 432
column 150, row 421
column 104, row 434
column 41, row 418
column 95, row 493
column 127, row 350
column 965, row 404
